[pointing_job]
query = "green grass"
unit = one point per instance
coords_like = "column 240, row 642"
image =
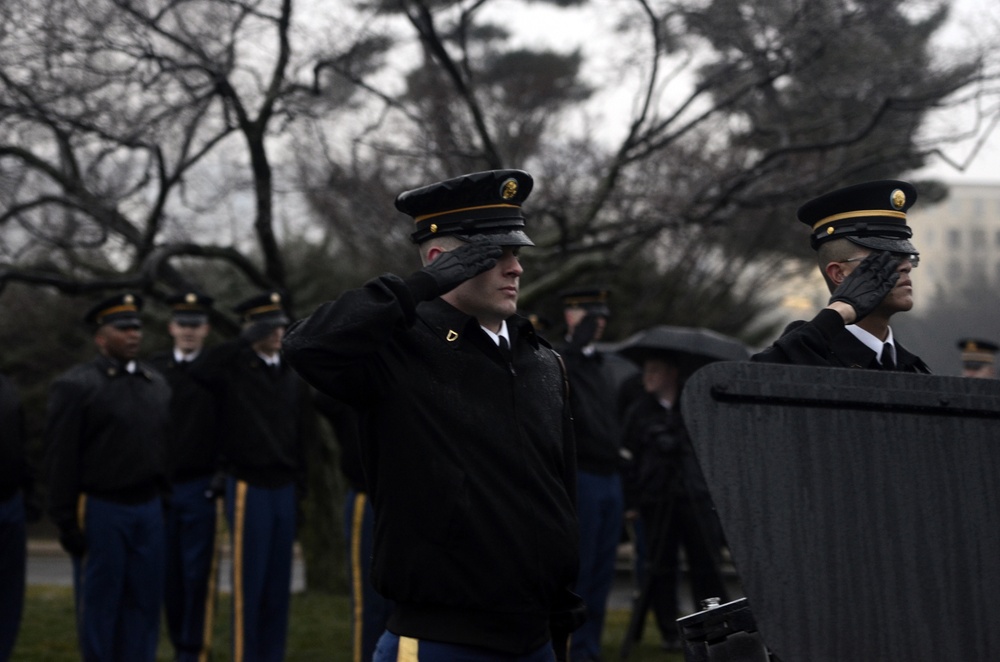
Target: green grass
column 319, row 629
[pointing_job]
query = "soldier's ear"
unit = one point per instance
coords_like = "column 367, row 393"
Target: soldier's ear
column 433, row 253
column 835, row 272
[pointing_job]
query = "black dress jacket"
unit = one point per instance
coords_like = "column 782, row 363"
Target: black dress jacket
column 825, row 341
column 192, row 451
column 594, row 402
column 106, row 434
column 261, row 414
column 469, row 460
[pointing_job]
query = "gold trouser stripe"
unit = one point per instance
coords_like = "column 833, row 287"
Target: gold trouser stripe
column 81, row 521
column 408, row 650
column 81, row 512
column 357, row 521
column 213, row 580
column 239, row 514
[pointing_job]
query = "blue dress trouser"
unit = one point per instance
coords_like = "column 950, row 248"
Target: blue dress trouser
column 13, row 556
column 192, row 569
column 369, row 610
column 393, row 648
column 118, row 582
column 262, row 522
column 601, row 510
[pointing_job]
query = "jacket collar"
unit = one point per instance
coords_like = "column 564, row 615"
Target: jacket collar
column 454, row 327
column 111, row 368
column 855, row 354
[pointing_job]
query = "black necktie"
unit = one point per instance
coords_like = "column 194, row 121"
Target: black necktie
column 887, row 362
column 505, row 349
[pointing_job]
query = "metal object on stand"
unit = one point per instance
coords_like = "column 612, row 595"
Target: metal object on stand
column 722, row 633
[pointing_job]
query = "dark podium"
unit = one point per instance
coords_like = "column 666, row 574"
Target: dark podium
column 862, row 510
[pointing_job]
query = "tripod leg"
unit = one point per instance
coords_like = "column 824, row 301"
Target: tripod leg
column 656, row 530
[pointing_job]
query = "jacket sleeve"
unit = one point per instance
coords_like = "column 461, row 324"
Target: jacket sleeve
column 336, row 349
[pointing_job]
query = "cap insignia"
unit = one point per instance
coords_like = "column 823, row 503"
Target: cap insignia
column 275, row 297
column 897, row 198
column 128, row 299
column 191, row 297
column 508, row 189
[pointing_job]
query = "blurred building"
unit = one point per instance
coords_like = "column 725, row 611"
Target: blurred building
column 959, row 238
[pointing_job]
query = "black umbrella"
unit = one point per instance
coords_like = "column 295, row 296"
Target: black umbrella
column 692, row 347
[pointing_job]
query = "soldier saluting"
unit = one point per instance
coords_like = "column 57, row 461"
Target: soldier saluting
column 864, row 253
column 468, row 444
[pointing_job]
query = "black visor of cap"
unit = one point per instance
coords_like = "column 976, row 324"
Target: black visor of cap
column 891, row 244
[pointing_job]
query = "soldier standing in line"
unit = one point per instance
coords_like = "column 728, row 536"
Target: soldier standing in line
column 192, row 461
column 261, row 410
column 600, row 500
column 17, row 508
column 108, row 426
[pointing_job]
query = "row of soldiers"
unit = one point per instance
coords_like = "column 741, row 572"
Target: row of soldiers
column 142, row 457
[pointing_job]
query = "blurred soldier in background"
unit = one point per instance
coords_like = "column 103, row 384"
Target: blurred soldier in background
column 864, row 252
column 17, row 507
column 600, row 503
column 107, row 430
column 261, row 403
column 664, row 484
column 192, row 460
column 978, row 358
column 369, row 610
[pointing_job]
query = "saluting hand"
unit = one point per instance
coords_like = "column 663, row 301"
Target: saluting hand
column 866, row 286
column 584, row 332
column 452, row 268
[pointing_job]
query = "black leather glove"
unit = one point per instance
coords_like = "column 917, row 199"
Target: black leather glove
column 584, row 332
column 451, row 269
column 866, row 286
column 73, row 541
